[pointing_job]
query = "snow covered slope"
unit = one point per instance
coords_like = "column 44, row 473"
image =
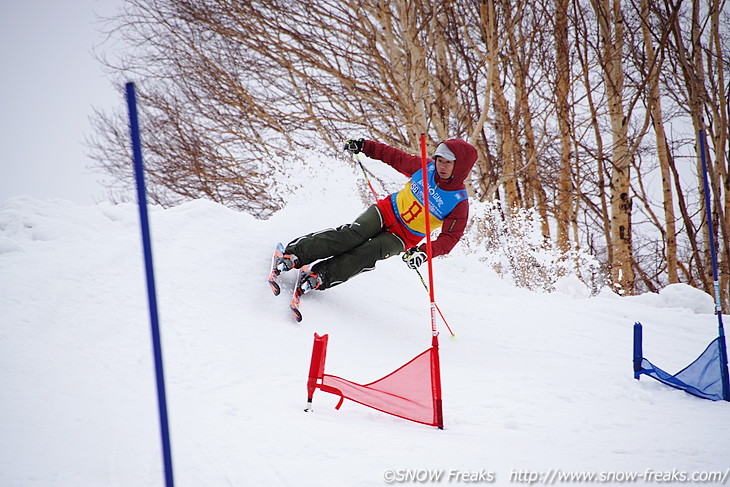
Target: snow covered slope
column 533, row 383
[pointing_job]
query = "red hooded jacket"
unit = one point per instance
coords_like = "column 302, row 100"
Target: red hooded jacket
column 455, row 222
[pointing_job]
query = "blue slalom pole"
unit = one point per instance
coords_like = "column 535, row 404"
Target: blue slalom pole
column 151, row 294
column 638, row 351
column 716, row 281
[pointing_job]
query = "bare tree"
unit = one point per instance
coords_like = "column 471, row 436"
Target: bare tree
column 571, row 105
column 564, row 213
column 654, row 63
column 611, row 27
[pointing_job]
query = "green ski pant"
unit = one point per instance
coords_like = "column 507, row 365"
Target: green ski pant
column 347, row 250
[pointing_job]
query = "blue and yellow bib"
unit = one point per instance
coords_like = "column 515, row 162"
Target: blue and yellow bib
column 408, row 202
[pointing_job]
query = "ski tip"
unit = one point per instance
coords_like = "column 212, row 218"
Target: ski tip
column 297, row 315
column 275, row 288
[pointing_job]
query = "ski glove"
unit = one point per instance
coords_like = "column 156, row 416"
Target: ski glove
column 354, row 145
column 414, row 257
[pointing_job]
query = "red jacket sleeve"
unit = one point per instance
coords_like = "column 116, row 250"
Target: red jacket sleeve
column 451, row 230
column 401, row 161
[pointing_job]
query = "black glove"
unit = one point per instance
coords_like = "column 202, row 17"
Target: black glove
column 354, row 145
column 414, row 257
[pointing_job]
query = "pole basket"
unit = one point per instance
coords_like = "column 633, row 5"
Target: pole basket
column 411, row 392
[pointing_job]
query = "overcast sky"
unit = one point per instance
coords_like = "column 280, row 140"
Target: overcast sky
column 49, row 82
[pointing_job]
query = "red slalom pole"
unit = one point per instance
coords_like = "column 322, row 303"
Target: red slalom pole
column 453, row 335
column 429, row 252
column 435, row 362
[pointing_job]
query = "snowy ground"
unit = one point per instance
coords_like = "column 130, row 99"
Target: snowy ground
column 533, row 383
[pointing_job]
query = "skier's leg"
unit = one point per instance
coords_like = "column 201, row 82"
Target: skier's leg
column 335, row 241
column 340, row 268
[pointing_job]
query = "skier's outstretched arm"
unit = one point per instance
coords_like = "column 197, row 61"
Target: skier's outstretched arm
column 401, row 161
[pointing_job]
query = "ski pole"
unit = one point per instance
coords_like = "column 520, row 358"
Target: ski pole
column 437, row 306
column 367, row 179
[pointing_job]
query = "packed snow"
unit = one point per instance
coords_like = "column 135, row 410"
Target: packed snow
column 533, row 383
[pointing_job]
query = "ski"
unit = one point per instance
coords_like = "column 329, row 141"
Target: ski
column 297, row 294
column 274, row 274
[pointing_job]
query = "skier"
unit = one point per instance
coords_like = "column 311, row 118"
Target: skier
column 393, row 224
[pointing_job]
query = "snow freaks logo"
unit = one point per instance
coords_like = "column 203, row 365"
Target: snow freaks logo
column 556, row 476
column 553, row 477
column 426, row 476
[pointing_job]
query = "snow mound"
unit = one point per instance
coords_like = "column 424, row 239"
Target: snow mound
column 572, row 286
column 685, row 296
